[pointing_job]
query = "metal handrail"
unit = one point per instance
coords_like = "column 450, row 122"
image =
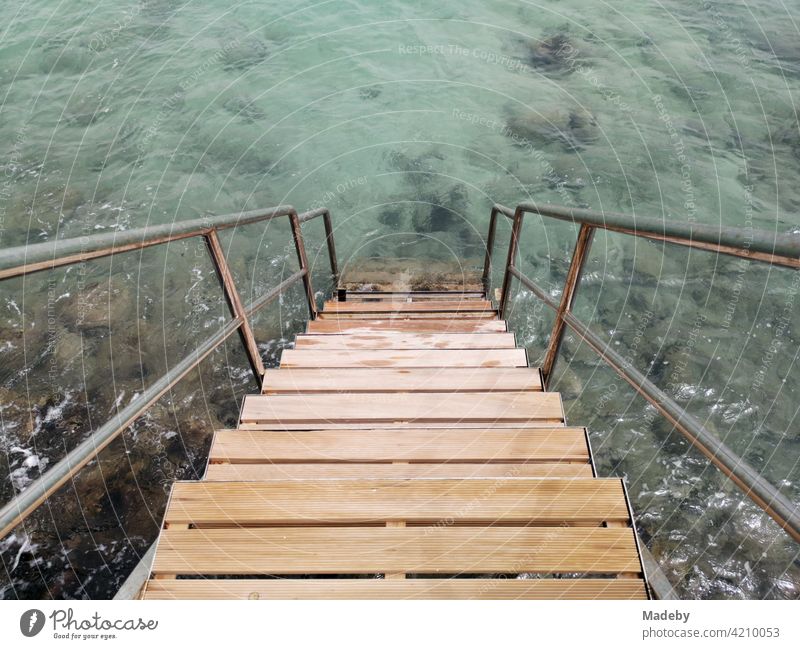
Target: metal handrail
column 23, row 260
column 777, row 249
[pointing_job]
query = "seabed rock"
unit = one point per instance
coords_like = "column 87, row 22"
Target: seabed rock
column 552, row 52
column 244, row 109
column 242, row 55
column 573, row 129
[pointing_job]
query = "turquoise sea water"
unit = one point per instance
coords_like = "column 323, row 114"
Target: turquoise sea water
column 408, row 120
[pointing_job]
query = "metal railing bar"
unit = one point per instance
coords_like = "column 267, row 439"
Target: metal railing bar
column 761, row 491
column 312, row 214
column 513, row 244
column 235, row 304
column 260, row 302
column 533, row 288
column 326, row 217
column 297, row 235
column 22, row 260
column 783, row 247
column 487, row 262
column 505, row 211
column 718, row 248
column 16, row 510
column 582, row 246
column 746, row 243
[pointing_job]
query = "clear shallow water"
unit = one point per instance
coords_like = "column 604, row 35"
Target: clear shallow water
column 408, row 121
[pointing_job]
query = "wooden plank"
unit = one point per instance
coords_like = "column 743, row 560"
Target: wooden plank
column 444, row 445
column 517, row 407
column 625, row 575
column 410, row 315
column 368, row 296
column 488, row 379
column 404, row 358
column 486, row 589
column 353, row 550
column 432, row 325
column 307, row 502
column 351, row 471
column 395, row 575
column 406, row 341
column 398, row 426
column 420, row 306
column 172, row 526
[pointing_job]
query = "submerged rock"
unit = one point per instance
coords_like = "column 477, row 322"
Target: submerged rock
column 788, row 135
column 572, row 129
column 370, row 93
column 436, row 219
column 69, row 346
column 241, row 55
column 39, row 215
column 785, row 51
column 391, row 217
column 555, row 51
column 64, row 54
column 428, row 161
column 445, row 213
column 244, row 109
column 86, row 109
column 95, row 308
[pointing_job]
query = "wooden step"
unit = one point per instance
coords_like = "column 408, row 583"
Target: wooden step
column 397, row 471
column 488, row 407
column 412, row 453
column 404, row 358
column 433, row 325
column 488, row 379
column 408, row 315
column 413, row 445
column 420, row 306
column 412, row 275
column 421, row 550
column 492, row 589
column 414, row 296
column 510, row 501
column 406, row 341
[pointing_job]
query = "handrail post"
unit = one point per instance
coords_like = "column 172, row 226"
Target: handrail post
column 297, row 234
column 512, row 255
column 487, row 262
column 326, row 218
column 582, row 245
column 235, row 304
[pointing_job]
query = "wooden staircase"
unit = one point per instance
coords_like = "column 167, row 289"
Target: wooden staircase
column 403, row 449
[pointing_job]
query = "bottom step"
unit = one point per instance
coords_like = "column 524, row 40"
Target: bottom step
column 334, row 538
column 404, row 589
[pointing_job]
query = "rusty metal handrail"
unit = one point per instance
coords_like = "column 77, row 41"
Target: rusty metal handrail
column 24, row 260
column 777, row 249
